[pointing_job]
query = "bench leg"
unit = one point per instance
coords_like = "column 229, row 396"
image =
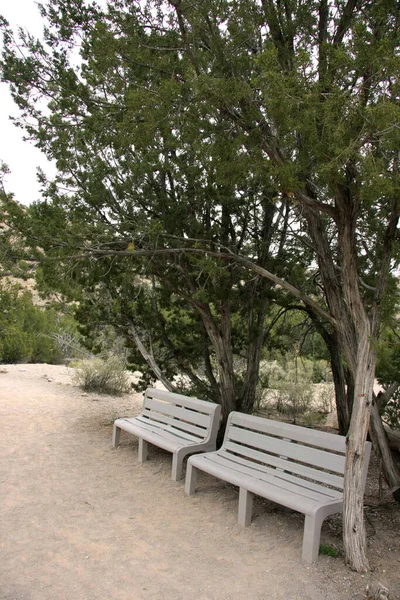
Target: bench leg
column 143, row 447
column 191, row 479
column 312, row 536
column 115, row 437
column 245, row 507
column 177, row 463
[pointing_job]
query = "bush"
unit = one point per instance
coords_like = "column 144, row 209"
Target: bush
column 16, row 345
column 292, row 389
column 32, row 333
column 103, row 375
column 321, row 372
column 294, row 399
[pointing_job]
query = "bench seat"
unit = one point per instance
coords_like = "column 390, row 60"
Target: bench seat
column 177, row 423
column 301, row 469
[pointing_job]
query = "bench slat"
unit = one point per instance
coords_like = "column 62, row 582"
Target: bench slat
column 287, row 465
column 280, row 483
column 311, row 456
column 161, row 427
column 259, row 470
column 176, row 411
column 319, row 439
column 199, row 432
column 201, row 406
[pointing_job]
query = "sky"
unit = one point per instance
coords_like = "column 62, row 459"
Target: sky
column 22, row 157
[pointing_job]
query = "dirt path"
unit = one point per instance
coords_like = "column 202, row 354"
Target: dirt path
column 82, row 521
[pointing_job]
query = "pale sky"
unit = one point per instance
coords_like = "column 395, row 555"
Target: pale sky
column 22, row 157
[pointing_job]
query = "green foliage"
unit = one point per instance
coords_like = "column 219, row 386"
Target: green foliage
column 321, row 372
column 214, row 126
column 13, row 254
column 103, row 375
column 328, row 550
column 291, row 368
column 29, row 333
column 16, row 345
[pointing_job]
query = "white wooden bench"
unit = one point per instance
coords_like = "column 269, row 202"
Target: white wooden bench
column 296, row 467
column 177, row 423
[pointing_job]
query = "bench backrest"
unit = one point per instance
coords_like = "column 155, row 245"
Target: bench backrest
column 306, row 453
column 198, row 418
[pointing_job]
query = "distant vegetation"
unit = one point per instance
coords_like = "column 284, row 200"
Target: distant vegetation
column 30, row 333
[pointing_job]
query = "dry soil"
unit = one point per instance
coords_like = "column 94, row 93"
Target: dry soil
column 80, row 520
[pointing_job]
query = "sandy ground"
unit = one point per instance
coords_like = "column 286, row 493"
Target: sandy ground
column 80, row 520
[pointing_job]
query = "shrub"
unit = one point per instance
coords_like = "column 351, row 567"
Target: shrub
column 292, row 389
column 16, row 345
column 32, row 333
column 321, row 372
column 294, row 399
column 103, row 375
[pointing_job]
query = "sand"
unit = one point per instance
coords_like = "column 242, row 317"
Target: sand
column 80, row 520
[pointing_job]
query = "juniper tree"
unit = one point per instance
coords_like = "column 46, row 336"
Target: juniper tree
column 194, row 133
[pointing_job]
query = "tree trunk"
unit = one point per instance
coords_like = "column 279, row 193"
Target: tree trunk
column 353, row 330
column 339, row 380
column 338, row 373
column 354, row 535
column 149, row 358
column 221, row 342
column 256, row 323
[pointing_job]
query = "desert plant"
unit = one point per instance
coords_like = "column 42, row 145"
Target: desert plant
column 103, row 375
column 326, row 398
column 293, row 399
column 32, row 333
column 16, row 344
column 321, row 372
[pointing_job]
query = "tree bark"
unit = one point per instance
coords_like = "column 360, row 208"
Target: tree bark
column 221, row 342
column 339, row 381
column 256, row 326
column 149, row 358
column 354, row 534
column 338, row 374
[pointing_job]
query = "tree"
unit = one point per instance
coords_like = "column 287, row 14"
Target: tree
column 139, row 172
column 332, row 140
column 183, row 114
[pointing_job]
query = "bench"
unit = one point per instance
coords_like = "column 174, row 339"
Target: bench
column 174, row 422
column 296, row 467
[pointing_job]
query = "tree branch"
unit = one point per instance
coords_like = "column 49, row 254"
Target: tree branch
column 230, row 256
